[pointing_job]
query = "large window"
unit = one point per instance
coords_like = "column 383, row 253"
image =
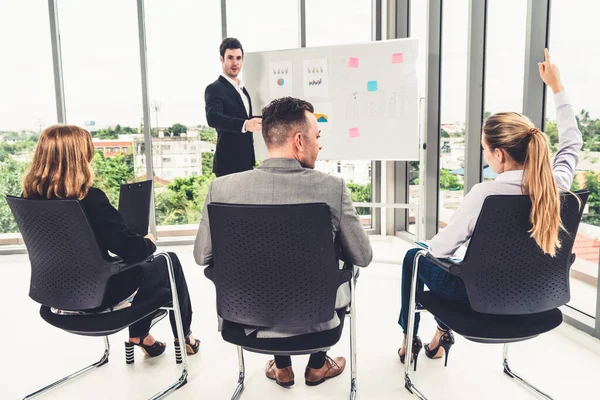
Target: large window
column 101, row 65
column 183, row 38
column 418, row 30
column 453, row 107
column 505, row 60
column 268, row 25
column 27, row 100
column 574, row 48
column 337, row 22
column 505, row 55
column 342, row 22
column 358, row 177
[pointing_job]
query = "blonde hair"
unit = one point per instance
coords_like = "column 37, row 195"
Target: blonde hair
column 528, row 146
column 61, row 164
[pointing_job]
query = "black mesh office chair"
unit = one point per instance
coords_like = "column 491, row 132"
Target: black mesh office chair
column 514, row 288
column 68, row 272
column 275, row 266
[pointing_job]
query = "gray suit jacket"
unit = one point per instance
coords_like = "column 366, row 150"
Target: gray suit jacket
column 285, row 181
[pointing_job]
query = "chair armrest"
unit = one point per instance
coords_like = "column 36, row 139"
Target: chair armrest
column 118, row 267
column 445, row 264
column 208, row 272
column 347, row 272
column 352, row 268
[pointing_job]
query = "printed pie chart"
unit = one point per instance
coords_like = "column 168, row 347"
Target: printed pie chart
column 280, row 81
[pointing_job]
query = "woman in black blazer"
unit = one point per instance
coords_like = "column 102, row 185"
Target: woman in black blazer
column 61, row 170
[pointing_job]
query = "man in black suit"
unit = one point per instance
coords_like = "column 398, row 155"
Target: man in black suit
column 229, row 111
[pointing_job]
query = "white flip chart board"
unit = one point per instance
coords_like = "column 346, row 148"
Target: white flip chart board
column 365, row 96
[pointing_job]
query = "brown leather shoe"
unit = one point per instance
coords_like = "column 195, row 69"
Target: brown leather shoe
column 284, row 376
column 331, row 369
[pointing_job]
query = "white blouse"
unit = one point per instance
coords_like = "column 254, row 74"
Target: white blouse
column 461, row 225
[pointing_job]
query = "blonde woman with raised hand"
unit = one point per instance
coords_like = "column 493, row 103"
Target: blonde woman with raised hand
column 519, row 152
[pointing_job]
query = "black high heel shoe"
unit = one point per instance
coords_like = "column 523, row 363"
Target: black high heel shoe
column 151, row 351
column 189, row 349
column 446, row 342
column 417, row 345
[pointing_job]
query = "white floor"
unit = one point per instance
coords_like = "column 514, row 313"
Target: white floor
column 564, row 362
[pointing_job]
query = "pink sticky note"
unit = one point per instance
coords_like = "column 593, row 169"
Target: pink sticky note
column 353, row 133
column 397, row 58
column 353, row 62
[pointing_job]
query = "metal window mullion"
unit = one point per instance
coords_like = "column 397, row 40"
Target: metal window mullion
column 537, row 38
column 301, row 23
column 224, row 18
column 475, row 92
column 398, row 25
column 398, row 220
column 432, row 120
column 597, row 334
column 146, row 105
column 376, row 26
column 376, row 20
column 59, row 88
column 376, row 196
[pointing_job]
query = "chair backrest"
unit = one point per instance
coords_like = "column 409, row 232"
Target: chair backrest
column 67, row 268
column 134, row 205
column 505, row 271
column 274, row 265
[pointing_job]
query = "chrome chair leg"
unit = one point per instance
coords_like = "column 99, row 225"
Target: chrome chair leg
column 82, row 371
column 522, row 381
column 352, row 315
column 409, row 338
column 411, row 387
column 410, row 327
column 242, row 367
column 182, row 380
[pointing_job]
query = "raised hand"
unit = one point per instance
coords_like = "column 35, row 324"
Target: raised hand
column 550, row 73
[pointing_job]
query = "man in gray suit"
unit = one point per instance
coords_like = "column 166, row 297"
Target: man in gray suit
column 287, row 176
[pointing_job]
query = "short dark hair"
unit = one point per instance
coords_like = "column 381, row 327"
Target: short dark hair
column 230, row 43
column 282, row 117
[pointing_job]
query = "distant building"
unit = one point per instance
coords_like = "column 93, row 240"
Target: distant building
column 454, row 127
column 172, row 157
column 351, row 171
column 111, row 148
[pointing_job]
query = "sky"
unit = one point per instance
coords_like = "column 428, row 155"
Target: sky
column 101, row 63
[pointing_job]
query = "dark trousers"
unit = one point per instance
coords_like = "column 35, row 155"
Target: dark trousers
column 440, row 282
column 316, row 340
column 155, row 275
column 234, row 333
column 315, row 361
